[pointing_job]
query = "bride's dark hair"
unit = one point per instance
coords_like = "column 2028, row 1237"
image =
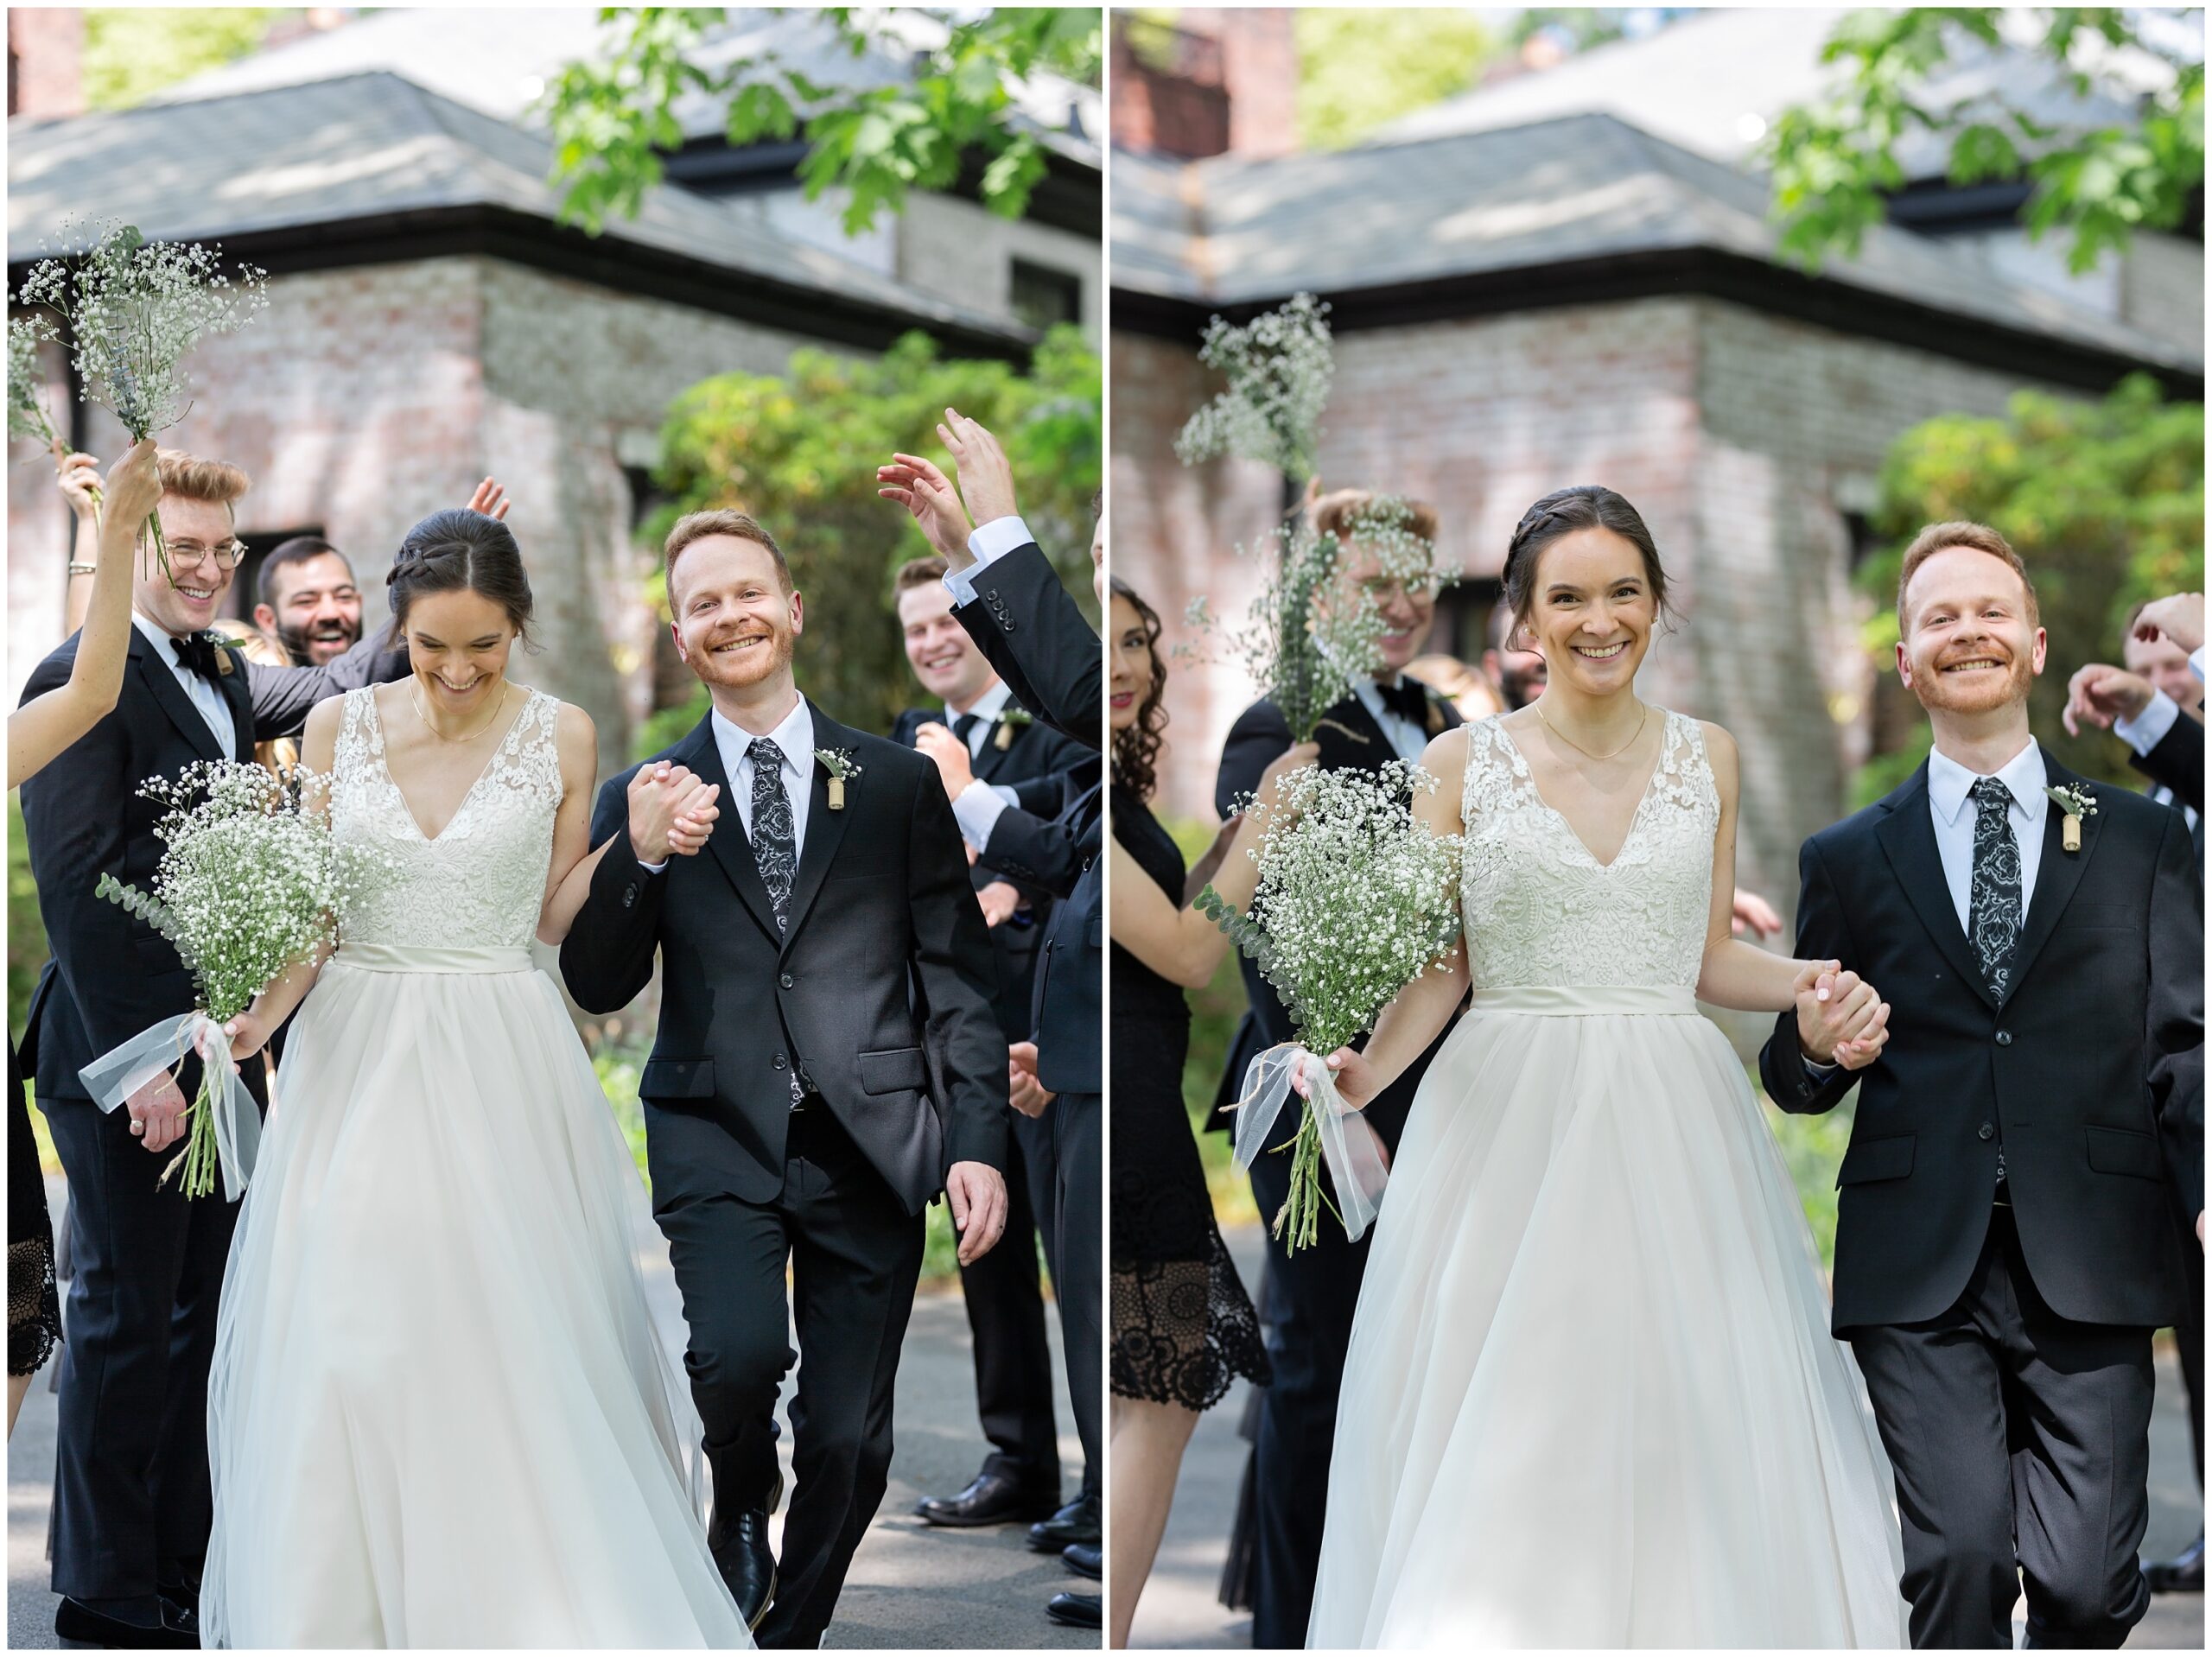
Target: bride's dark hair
column 1585, row 506
column 1137, row 750
column 457, row 550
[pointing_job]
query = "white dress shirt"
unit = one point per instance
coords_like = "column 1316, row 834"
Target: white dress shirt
column 795, row 736
column 213, row 707
column 2148, row 729
column 976, row 806
column 990, row 543
column 1410, row 741
column 1953, row 816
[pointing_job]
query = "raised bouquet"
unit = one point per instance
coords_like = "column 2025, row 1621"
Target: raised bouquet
column 1356, row 900
column 247, row 886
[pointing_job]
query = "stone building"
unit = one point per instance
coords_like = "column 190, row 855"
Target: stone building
column 431, row 321
column 1564, row 298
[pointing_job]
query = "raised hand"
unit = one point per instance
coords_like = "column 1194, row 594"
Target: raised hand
column 930, row 500
column 2102, row 694
column 986, row 477
column 953, row 763
column 1750, row 910
column 79, row 477
column 134, row 483
column 157, row 1113
column 491, row 499
column 2178, row 615
column 1000, row 899
column 1024, row 1091
column 657, row 795
column 1841, row 1018
column 977, row 1193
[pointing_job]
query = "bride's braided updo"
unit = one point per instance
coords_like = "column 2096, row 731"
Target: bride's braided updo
column 457, row 550
column 1585, row 506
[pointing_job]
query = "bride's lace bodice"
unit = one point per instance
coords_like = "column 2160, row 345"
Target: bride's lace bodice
column 1539, row 909
column 481, row 883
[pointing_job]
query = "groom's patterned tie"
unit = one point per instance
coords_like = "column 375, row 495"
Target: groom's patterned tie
column 775, row 851
column 1993, row 907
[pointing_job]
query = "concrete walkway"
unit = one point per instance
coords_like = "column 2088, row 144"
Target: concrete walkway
column 911, row 1585
column 1179, row 1608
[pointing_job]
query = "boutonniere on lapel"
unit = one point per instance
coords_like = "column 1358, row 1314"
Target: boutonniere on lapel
column 1011, row 719
column 2076, row 803
column 222, row 647
column 838, row 762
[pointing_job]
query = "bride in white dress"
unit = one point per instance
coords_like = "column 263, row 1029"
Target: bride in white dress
column 1590, row 1397
column 439, row 1413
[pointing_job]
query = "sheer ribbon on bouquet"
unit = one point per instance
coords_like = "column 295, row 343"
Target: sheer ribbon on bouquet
column 1350, row 1146
column 114, row 1076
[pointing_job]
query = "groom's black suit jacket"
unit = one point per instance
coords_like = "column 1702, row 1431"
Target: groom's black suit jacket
column 2091, row 1076
column 2178, row 762
column 882, row 982
column 111, row 975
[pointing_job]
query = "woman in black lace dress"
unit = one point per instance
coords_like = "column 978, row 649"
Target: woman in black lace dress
column 1183, row 1326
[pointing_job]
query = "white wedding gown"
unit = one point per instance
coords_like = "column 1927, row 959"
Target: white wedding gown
column 439, row 1414
column 1590, row 1397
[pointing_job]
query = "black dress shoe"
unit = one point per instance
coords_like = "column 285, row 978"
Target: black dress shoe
column 1084, row 1561
column 2183, row 1574
column 1075, row 1525
column 740, row 1552
column 991, row 1498
column 1077, row 1610
column 77, row 1621
column 181, row 1617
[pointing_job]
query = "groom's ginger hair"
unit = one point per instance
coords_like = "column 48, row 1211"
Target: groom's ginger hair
column 1941, row 538
column 190, row 478
column 723, row 520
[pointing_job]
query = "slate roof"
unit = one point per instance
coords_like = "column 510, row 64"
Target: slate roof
column 1231, row 232
column 376, row 147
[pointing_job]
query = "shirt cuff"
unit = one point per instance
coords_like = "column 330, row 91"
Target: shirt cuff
column 2148, row 729
column 992, row 541
column 1006, row 793
column 2196, row 662
column 1817, row 1071
column 977, row 809
column 654, row 868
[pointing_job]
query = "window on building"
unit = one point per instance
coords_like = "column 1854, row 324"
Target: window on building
column 1861, row 538
column 1043, row 297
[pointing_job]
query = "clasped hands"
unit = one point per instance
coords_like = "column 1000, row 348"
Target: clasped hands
column 1841, row 1020
column 671, row 811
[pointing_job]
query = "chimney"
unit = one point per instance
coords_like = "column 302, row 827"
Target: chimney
column 1259, row 64
column 45, row 51
column 1168, row 95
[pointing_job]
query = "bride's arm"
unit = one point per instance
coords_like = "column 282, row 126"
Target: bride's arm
column 568, row 881
column 1744, row 977
column 1421, row 1010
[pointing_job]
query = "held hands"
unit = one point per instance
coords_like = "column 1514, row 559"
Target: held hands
column 157, row 1113
column 2178, row 615
column 1024, row 1091
column 986, row 478
column 1841, row 1018
column 672, row 812
column 1000, row 899
column 977, row 1193
column 2102, row 694
column 954, row 763
column 929, row 497
column 491, row 499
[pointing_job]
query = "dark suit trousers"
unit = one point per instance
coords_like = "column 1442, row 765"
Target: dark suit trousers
column 2021, row 1443
column 2189, row 1328
column 131, row 1506
column 1314, row 1293
column 1006, row 1321
column 1076, row 1260
column 855, row 1256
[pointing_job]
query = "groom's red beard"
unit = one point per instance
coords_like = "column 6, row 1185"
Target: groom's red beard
column 738, row 669
column 1976, row 693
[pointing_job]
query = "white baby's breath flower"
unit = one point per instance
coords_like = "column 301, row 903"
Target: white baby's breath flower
column 1277, row 370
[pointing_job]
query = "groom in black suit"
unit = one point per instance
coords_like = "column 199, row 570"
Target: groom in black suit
column 2002, row 1245
column 826, row 1064
column 132, row 1504
column 1307, row 1298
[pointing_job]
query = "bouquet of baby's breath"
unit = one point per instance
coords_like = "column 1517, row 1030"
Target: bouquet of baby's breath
column 1277, row 370
column 249, row 884
column 1313, row 632
column 27, row 416
column 1356, row 900
column 135, row 309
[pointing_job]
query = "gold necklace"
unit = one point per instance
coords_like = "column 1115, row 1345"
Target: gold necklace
column 1586, row 753
column 415, row 690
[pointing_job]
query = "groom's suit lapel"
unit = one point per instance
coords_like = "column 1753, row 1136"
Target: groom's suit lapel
column 702, row 756
column 825, row 829
column 168, row 695
column 2056, row 876
column 1908, row 837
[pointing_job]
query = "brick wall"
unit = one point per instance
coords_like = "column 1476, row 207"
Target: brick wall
column 959, row 250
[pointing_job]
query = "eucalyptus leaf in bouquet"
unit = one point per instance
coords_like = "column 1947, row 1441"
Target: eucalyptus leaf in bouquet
column 1356, row 899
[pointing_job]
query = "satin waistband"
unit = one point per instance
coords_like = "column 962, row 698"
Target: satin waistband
column 1590, row 1000
column 397, row 957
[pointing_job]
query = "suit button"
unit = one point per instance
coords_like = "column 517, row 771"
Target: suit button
column 1005, row 625
column 786, row 981
column 1986, row 1131
column 629, row 896
column 2004, row 1039
column 779, row 1061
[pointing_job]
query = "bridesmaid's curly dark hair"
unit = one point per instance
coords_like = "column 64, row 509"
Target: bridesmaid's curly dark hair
column 1137, row 750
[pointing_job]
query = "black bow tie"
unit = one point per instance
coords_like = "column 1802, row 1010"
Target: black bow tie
column 196, row 654
column 1408, row 700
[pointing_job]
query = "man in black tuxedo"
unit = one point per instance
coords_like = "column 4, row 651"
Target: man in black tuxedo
column 131, row 1506
column 826, row 1064
column 2003, row 1248
column 1307, row 1298
column 1012, row 604
column 984, row 741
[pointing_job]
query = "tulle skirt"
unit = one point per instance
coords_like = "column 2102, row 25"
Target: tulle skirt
column 1591, row 1399
column 439, row 1413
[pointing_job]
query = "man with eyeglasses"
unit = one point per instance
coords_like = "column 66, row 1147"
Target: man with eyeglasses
column 132, row 1500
